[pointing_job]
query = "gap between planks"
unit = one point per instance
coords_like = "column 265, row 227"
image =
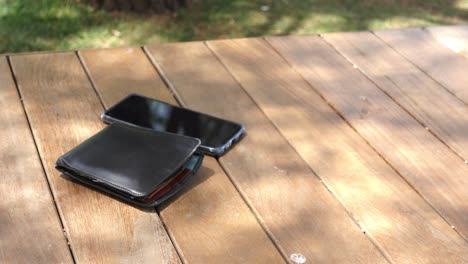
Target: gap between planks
column 441, row 223
column 262, row 169
column 429, row 88
column 93, row 246
column 449, row 85
column 361, row 227
column 57, row 208
column 419, row 119
column 11, row 87
column 153, row 86
column 245, row 156
column 181, row 102
column 99, row 96
column 409, row 113
column 382, row 154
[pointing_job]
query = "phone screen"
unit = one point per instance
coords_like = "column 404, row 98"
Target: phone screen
column 145, row 112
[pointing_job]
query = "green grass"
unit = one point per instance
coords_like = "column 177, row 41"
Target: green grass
column 29, row 25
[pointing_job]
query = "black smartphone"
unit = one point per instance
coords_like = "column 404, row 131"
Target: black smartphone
column 217, row 135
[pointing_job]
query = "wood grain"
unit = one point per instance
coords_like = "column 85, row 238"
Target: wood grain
column 27, row 208
column 424, row 98
column 453, row 37
column 446, row 67
column 209, row 221
column 404, row 227
column 426, row 163
column 292, row 204
column 118, row 72
column 63, row 110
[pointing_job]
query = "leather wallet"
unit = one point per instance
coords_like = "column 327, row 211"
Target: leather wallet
column 138, row 165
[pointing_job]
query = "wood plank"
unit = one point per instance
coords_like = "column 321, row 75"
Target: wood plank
column 292, row 204
column 426, row 163
column 64, row 110
column 405, row 227
column 118, row 72
column 209, row 221
column 27, row 208
column 424, row 98
column 446, row 67
column 452, row 37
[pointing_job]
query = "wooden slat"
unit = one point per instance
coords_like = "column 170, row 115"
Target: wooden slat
column 426, row 163
column 63, row 110
column 118, row 72
column 296, row 209
column 209, row 221
column 446, row 67
column 453, row 37
column 424, row 98
column 405, row 227
column 27, row 208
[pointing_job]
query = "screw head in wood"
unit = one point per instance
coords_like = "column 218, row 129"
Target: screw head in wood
column 297, row 258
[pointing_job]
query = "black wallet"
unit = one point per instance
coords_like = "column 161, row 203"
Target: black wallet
column 138, row 165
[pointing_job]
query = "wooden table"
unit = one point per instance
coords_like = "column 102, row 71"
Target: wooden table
column 356, row 151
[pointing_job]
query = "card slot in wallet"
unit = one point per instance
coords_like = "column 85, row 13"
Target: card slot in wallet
column 141, row 166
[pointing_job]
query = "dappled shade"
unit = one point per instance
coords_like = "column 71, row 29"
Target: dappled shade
column 67, row 24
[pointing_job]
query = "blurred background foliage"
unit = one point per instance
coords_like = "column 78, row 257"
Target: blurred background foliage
column 27, row 25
